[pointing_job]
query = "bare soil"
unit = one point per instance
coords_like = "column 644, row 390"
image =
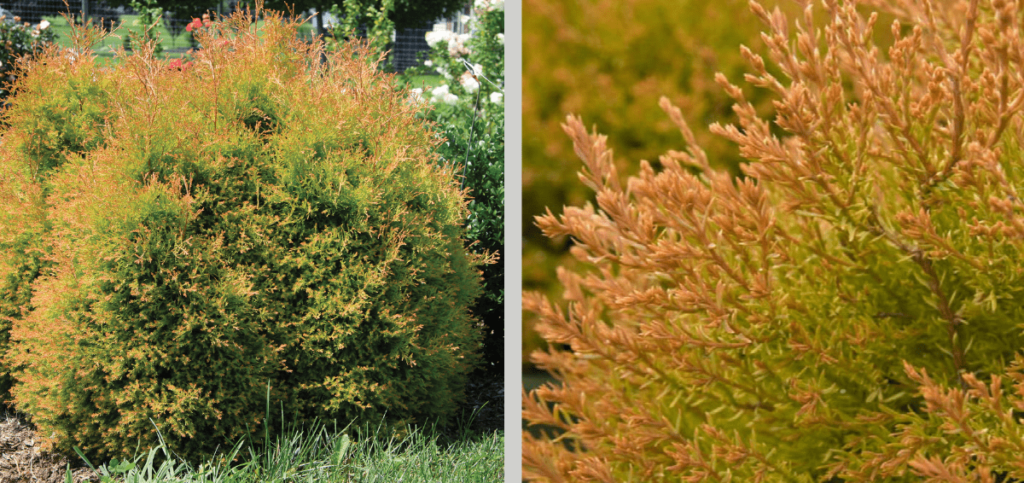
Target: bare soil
column 487, row 393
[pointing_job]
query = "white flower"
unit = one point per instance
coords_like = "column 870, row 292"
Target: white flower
column 416, row 96
column 433, row 37
column 464, row 19
column 501, row 38
column 450, row 98
column 469, row 83
column 457, row 45
column 444, row 73
column 439, row 91
column 478, row 69
column 44, row 24
column 428, row 63
column 489, row 5
column 496, row 97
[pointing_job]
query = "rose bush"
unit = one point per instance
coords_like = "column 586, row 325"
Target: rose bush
column 469, row 111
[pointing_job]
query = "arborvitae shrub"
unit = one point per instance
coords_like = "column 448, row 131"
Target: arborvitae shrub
column 187, row 235
column 59, row 124
column 851, row 310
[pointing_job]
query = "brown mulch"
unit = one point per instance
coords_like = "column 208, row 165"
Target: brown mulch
column 486, row 394
column 21, row 460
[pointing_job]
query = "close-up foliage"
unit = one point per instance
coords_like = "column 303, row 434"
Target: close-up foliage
column 849, row 309
column 609, row 61
column 175, row 239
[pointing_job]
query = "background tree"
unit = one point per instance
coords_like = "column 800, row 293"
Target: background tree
column 403, row 13
column 180, row 12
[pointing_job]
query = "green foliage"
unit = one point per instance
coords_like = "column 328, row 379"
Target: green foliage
column 415, row 13
column 61, row 124
column 150, row 19
column 849, row 310
column 19, row 39
column 470, row 115
column 400, row 13
column 371, row 15
column 187, row 234
column 180, row 9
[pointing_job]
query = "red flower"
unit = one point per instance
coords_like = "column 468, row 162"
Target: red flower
column 194, row 24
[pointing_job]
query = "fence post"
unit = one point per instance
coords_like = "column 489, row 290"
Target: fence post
column 320, row 23
column 85, row 11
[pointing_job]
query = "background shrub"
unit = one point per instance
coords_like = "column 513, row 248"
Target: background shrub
column 470, row 114
column 190, row 233
column 850, row 310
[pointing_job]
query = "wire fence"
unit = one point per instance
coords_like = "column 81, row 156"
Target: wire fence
column 175, row 41
column 407, row 46
column 410, row 42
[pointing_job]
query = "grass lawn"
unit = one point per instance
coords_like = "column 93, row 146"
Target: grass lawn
column 321, row 454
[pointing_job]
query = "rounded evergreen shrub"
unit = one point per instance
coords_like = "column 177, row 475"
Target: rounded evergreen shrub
column 851, row 310
column 188, row 234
